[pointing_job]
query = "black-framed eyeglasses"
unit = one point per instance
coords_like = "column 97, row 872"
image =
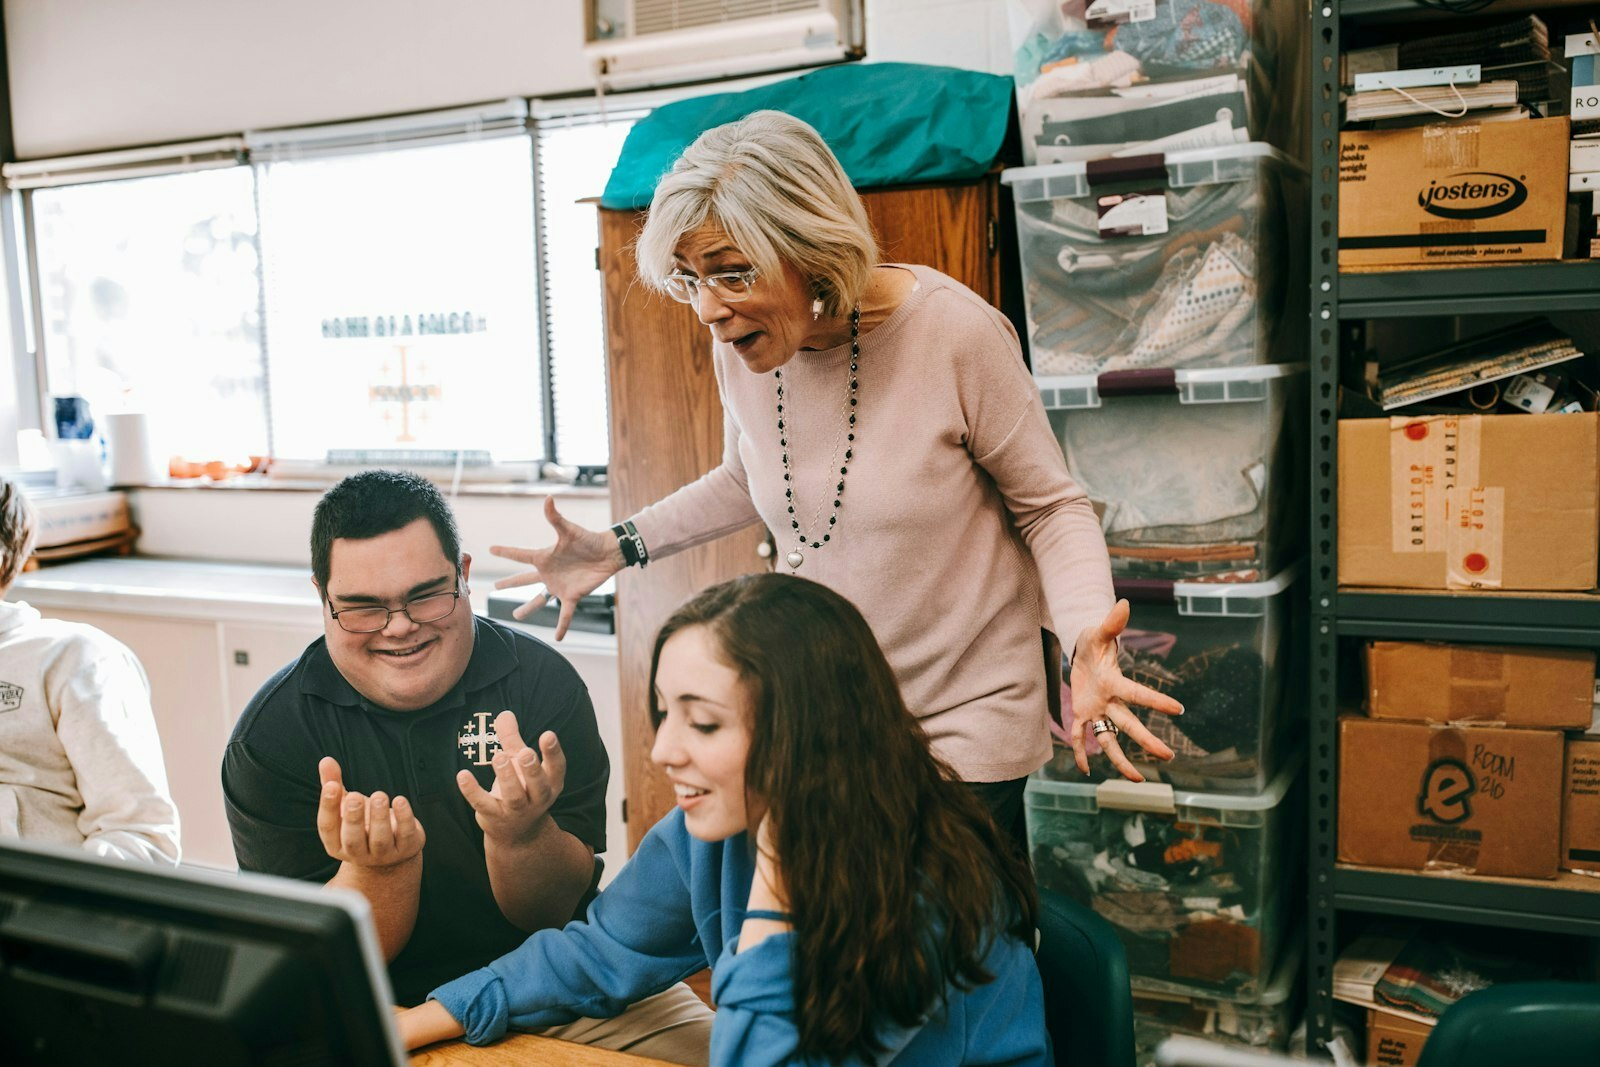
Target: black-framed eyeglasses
column 369, row 620
column 730, row 286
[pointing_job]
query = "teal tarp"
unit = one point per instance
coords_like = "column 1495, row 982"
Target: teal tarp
column 889, row 124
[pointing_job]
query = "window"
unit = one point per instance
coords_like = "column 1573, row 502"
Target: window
column 422, row 284
column 576, row 157
column 149, row 301
column 402, row 304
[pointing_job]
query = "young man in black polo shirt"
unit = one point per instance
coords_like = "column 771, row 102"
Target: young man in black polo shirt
column 445, row 766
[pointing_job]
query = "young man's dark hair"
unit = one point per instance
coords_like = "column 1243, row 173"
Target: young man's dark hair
column 375, row 502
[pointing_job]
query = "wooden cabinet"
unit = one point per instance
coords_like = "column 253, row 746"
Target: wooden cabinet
column 666, row 422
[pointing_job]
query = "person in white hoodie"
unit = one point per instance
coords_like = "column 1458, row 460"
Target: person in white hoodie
column 80, row 759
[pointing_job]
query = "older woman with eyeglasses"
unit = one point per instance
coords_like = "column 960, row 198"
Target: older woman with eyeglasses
column 881, row 422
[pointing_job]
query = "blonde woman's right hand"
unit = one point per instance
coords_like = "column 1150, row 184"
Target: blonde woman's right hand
column 568, row 570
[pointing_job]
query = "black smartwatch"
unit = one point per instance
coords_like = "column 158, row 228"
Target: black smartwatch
column 634, row 554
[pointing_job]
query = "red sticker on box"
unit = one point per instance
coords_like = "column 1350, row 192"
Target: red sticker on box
column 1475, row 548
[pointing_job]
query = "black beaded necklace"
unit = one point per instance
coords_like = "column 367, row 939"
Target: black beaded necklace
column 797, row 556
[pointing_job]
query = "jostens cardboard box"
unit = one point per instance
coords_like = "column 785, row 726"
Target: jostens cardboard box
column 1481, row 800
column 1442, row 195
column 1394, row 1040
column 1426, row 681
column 1470, row 501
column 1580, row 815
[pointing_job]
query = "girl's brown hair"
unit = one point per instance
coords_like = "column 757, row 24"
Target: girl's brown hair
column 898, row 880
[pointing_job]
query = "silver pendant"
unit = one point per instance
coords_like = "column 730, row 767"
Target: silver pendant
column 794, row 559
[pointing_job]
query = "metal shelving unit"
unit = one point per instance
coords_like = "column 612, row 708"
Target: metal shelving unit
column 1515, row 287
column 1570, row 904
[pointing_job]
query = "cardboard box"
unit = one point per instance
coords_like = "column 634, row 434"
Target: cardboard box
column 1470, row 501
column 1432, row 682
column 1480, row 800
column 1443, row 195
column 1394, row 1040
column 1580, row 814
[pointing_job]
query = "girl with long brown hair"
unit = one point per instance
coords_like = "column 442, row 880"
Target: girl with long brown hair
column 855, row 902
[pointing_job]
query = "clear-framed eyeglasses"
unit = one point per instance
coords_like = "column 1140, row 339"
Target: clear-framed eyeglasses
column 730, row 286
column 369, row 620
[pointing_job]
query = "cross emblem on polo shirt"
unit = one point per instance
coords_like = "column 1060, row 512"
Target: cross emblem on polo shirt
column 477, row 739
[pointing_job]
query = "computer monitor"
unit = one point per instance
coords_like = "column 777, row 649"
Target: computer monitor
column 106, row 962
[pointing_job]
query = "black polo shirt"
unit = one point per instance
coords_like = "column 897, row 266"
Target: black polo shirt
column 308, row 710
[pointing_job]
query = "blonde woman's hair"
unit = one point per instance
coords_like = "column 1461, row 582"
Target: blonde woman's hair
column 771, row 183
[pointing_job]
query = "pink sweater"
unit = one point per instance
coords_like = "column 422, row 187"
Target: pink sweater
column 957, row 502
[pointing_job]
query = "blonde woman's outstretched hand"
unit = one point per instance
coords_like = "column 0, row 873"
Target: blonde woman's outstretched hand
column 568, row 570
column 1099, row 691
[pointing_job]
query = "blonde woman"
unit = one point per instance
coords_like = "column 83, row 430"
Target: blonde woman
column 880, row 420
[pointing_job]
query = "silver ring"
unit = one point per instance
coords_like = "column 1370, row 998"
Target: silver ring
column 1104, row 726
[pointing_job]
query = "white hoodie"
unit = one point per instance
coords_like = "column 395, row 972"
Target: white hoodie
column 80, row 759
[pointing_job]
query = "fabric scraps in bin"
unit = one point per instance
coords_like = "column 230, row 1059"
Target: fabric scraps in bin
column 1198, row 474
column 1163, row 884
column 1187, row 36
column 1190, row 295
column 1202, row 303
column 1202, row 563
column 1114, row 70
column 1220, row 690
column 1219, row 736
column 1212, row 951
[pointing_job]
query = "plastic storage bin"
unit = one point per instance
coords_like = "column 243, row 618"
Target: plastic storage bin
column 1198, row 885
column 1209, row 290
column 1176, row 74
column 1195, row 473
column 1262, row 1022
column 1224, row 652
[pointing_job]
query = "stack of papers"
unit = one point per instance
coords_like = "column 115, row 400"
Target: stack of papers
column 1360, row 967
column 1429, row 100
column 1488, row 358
column 1140, row 120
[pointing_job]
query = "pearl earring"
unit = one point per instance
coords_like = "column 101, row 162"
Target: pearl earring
column 816, row 309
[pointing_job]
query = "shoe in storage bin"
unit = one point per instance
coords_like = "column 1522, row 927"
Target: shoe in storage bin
column 1226, row 653
column 1262, row 1022
column 1114, row 77
column 1194, row 473
column 1199, row 886
column 1182, row 260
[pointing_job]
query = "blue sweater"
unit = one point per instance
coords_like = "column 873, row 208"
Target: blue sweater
column 676, row 908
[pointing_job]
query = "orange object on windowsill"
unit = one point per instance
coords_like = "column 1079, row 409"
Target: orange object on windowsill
column 217, row 470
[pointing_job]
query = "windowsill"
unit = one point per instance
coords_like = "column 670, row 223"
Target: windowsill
column 317, row 485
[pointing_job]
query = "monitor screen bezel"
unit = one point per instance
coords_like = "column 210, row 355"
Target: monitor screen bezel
column 215, row 902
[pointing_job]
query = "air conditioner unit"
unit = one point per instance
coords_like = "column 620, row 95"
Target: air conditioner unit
column 673, row 42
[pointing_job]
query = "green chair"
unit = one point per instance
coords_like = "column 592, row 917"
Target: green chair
column 1554, row 1023
column 1088, row 1001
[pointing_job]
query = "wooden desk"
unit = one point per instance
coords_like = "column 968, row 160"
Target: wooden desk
column 523, row 1050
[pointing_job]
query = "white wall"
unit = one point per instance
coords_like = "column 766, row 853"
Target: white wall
column 95, row 74
column 971, row 34
column 88, row 74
